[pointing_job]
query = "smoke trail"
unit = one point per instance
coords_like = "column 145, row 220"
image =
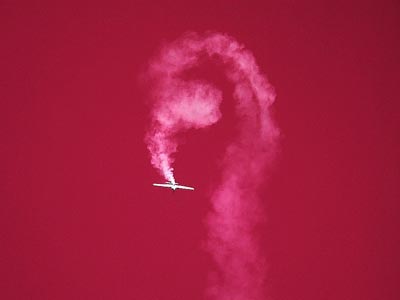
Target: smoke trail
column 180, row 105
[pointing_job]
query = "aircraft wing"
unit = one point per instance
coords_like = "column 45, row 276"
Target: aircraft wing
column 163, row 185
column 184, row 187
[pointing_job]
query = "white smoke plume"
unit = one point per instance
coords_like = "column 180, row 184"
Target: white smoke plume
column 181, row 104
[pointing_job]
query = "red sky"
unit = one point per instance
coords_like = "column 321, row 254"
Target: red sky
column 79, row 218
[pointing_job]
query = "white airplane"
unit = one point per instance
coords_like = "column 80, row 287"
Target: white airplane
column 173, row 186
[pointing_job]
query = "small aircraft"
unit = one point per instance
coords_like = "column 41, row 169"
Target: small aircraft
column 173, row 185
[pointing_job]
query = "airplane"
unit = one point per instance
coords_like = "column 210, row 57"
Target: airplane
column 173, row 186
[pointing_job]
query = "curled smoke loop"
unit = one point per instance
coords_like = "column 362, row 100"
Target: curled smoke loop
column 180, row 105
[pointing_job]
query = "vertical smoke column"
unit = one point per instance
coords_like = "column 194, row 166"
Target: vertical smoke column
column 180, row 105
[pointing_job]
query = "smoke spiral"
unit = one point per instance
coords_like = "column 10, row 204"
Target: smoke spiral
column 180, row 105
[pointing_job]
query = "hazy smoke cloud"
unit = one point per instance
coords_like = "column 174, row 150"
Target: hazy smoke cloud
column 180, row 105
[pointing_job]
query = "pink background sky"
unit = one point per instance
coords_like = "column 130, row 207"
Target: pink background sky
column 79, row 218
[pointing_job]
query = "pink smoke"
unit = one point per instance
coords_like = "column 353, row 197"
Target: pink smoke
column 180, row 105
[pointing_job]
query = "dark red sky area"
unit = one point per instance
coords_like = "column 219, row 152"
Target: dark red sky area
column 79, row 218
